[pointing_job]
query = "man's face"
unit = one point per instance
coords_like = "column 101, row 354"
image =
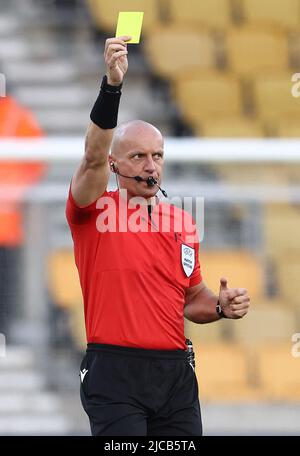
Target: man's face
column 140, row 153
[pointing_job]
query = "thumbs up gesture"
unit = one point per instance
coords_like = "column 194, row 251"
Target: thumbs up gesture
column 234, row 302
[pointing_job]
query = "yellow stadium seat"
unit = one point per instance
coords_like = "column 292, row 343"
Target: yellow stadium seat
column 273, row 96
column 223, row 373
column 281, row 13
column 77, row 326
column 241, row 268
column 105, row 13
column 235, row 127
column 214, row 13
column 281, row 224
column 203, row 333
column 252, row 49
column 174, row 49
column 273, row 322
column 63, row 279
column 279, row 371
column 288, row 276
column 208, row 94
column 65, row 290
column 289, row 127
column 254, row 174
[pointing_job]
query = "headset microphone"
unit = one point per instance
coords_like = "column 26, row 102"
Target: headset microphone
column 150, row 180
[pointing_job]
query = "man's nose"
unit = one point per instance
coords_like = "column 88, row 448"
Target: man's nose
column 149, row 165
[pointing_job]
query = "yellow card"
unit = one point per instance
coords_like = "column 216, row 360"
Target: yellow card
column 130, row 23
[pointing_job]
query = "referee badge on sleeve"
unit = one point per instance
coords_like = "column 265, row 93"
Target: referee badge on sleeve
column 187, row 259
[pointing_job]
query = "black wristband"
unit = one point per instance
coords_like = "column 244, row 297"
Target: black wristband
column 106, row 108
column 219, row 310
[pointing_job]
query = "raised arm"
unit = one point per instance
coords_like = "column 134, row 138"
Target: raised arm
column 91, row 177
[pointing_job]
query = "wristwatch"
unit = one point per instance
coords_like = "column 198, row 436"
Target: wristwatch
column 220, row 311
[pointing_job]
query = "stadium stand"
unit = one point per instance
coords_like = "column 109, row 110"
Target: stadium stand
column 281, row 222
column 251, row 49
column 223, row 373
column 65, row 292
column 232, row 127
column 273, row 98
column 272, row 12
column 205, row 95
column 288, row 127
column 237, row 266
column 279, row 372
column 215, row 13
column 104, row 13
column 167, row 46
column 268, row 321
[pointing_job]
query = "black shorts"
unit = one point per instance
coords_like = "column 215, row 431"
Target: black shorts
column 139, row 392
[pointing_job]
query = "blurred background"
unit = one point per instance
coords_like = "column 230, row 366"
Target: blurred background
column 216, row 77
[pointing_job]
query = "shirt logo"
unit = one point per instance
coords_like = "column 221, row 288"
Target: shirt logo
column 187, row 259
column 83, row 374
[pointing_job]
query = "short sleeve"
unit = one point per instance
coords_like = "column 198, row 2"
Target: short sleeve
column 77, row 215
column 196, row 276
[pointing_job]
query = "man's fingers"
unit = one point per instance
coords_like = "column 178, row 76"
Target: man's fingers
column 234, row 292
column 124, row 37
column 119, row 40
column 240, row 313
column 115, row 57
column 238, row 307
column 113, row 49
column 240, row 299
column 223, row 283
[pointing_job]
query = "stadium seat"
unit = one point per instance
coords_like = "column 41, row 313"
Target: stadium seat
column 279, row 371
column 281, row 229
column 272, row 322
column 276, row 12
column 174, row 49
column 208, row 94
column 77, row 326
column 288, row 277
column 65, row 291
column 288, row 127
column 199, row 333
column 252, row 49
column 105, row 13
column 63, row 279
column 241, row 268
column 235, row 127
column 213, row 13
column 273, row 97
column 223, row 373
column 252, row 174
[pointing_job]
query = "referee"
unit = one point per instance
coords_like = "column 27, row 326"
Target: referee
column 137, row 284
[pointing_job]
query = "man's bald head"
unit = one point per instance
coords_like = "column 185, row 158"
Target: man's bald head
column 134, row 134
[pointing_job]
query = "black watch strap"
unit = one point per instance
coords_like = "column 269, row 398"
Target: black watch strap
column 220, row 311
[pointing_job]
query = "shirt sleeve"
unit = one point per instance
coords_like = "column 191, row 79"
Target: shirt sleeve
column 196, row 276
column 79, row 215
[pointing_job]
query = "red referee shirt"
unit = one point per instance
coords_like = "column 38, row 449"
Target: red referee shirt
column 133, row 283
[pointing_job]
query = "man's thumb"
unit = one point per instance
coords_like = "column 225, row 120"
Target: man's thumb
column 223, row 283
